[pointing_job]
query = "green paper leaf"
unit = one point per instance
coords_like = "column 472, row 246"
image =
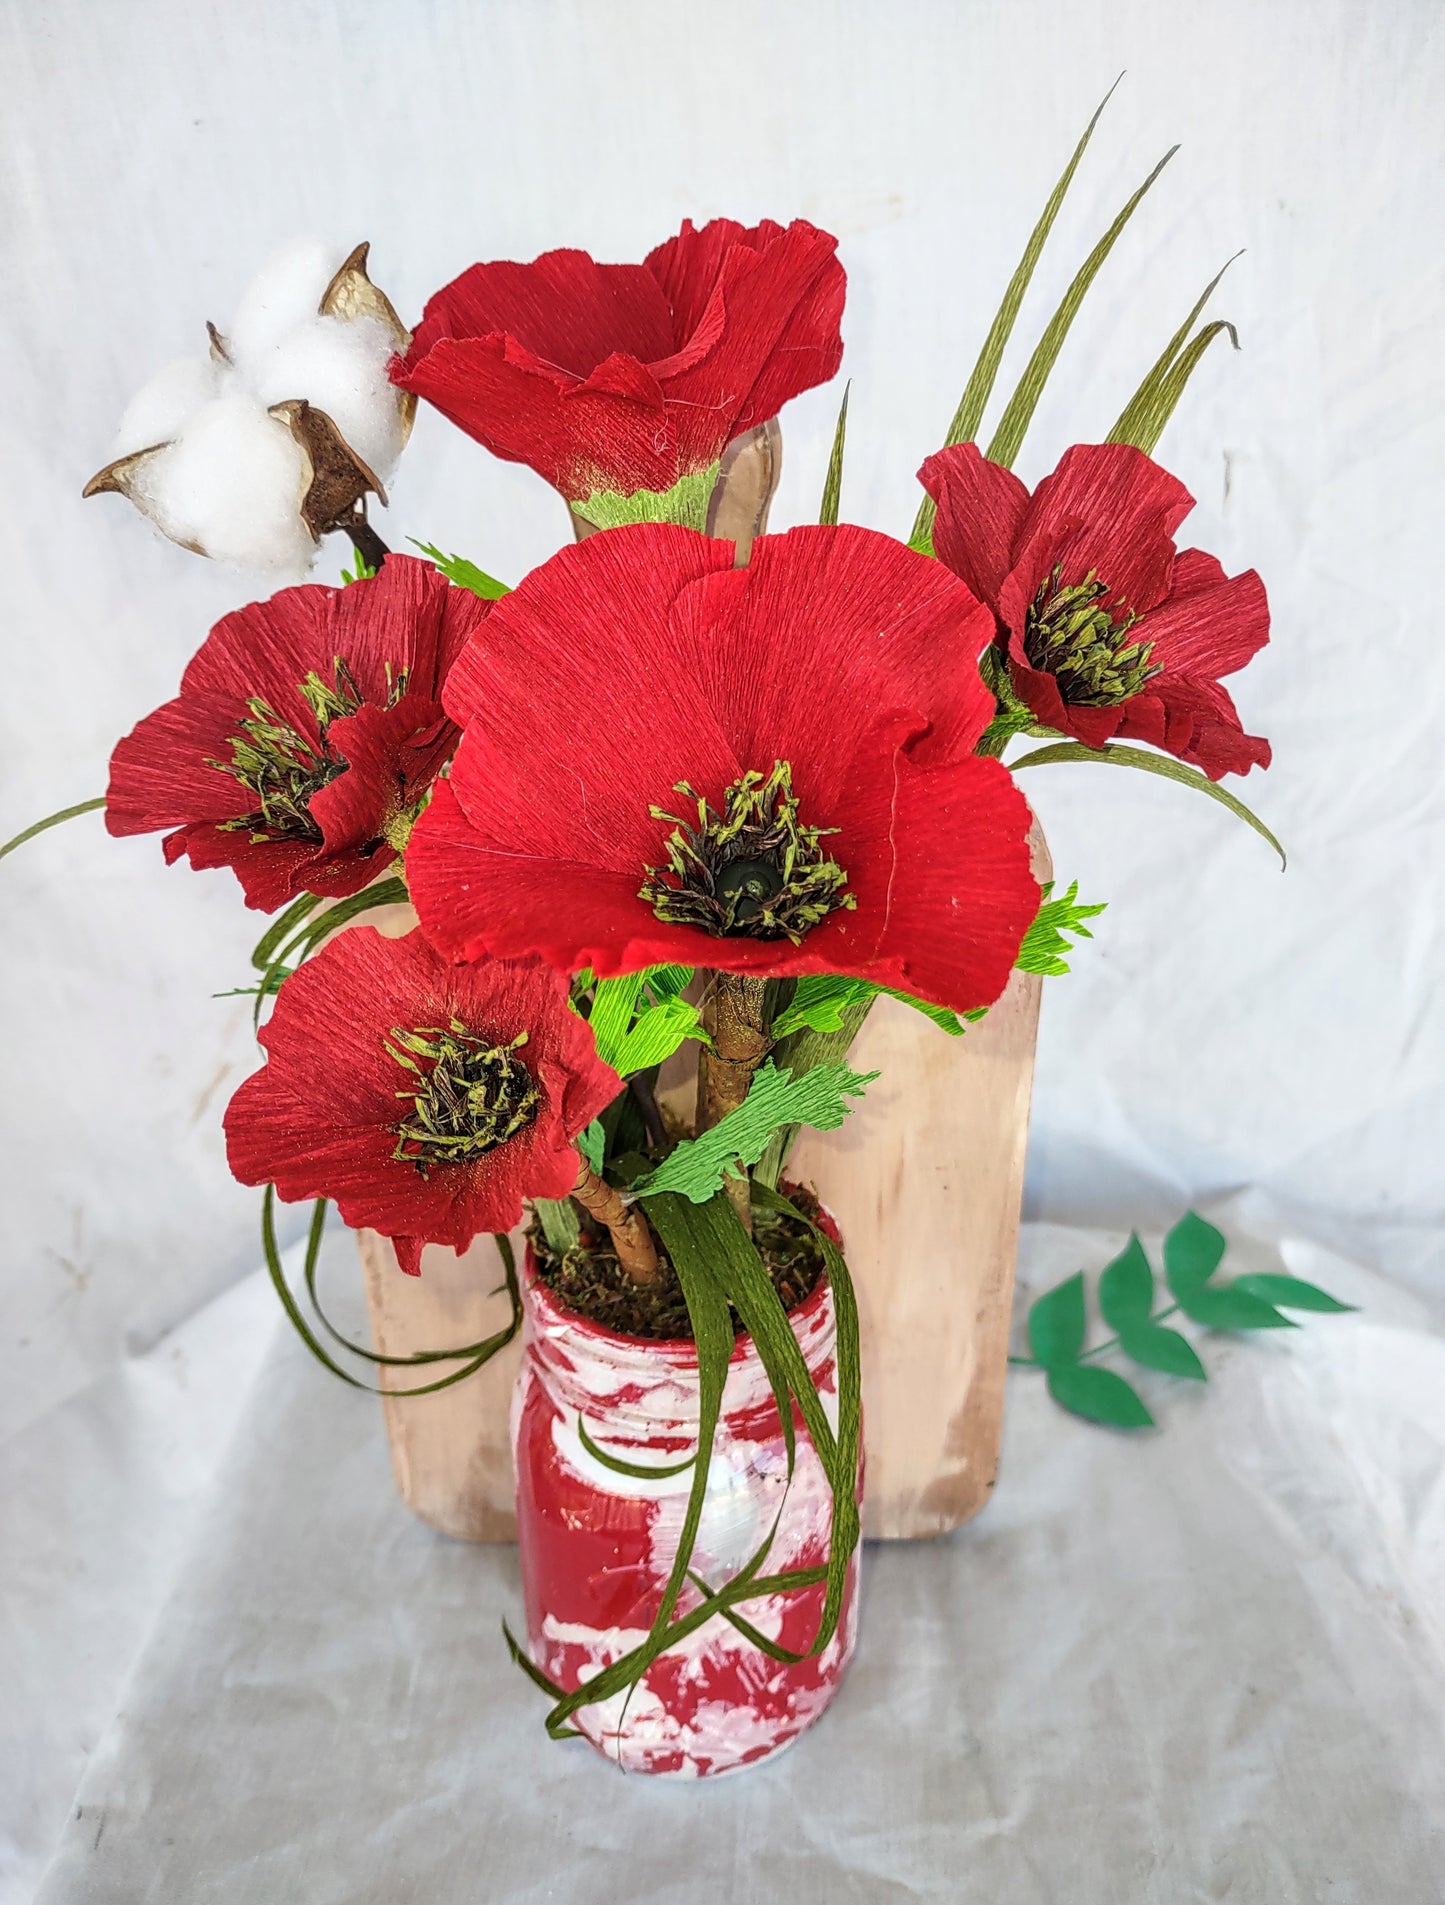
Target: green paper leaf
column 1098, row 1395
column 1290, row 1293
column 1119, row 755
column 466, row 575
column 632, row 1035
column 1056, row 1323
column 833, row 482
column 52, row 820
column 1233, row 1309
column 1008, row 438
column 1044, row 944
column 697, row 1167
column 1193, row 1251
column 592, row 1144
column 1126, row 1288
column 657, row 1034
column 1159, row 1348
column 971, row 406
column 819, row 1002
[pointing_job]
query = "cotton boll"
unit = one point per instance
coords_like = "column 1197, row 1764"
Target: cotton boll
column 231, row 485
column 341, row 368
column 158, row 412
column 285, row 292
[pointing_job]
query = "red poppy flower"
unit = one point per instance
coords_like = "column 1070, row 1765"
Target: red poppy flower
column 425, row 1099
column 1107, row 631
column 629, row 377
column 765, row 770
column 307, row 729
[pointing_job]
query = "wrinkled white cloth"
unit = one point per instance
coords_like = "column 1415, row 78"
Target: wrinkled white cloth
column 1202, row 1663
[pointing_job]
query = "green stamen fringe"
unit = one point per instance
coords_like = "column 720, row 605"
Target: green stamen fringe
column 1073, row 637
column 470, row 1098
column 754, row 870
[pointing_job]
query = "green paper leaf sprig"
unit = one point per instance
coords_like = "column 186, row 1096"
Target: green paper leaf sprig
column 1193, row 1251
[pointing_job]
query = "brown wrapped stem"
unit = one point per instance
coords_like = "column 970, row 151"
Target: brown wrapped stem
column 625, row 1224
column 733, row 1015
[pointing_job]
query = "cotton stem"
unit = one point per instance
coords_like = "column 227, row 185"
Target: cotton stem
column 624, row 1223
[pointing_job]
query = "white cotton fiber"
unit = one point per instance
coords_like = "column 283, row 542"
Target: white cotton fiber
column 231, row 483
column 341, row 368
column 230, row 479
column 286, row 291
column 156, row 413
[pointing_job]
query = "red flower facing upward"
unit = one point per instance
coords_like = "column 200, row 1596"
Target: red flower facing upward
column 425, row 1099
column 1107, row 632
column 307, row 729
column 628, row 377
column 765, row 770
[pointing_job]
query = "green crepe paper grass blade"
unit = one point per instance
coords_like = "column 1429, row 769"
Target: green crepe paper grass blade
column 1098, row 1395
column 1126, row 1288
column 971, row 406
column 1163, row 401
column 1159, row 1348
column 833, row 481
column 466, row 575
column 1008, row 438
column 484, row 1351
column 539, row 1679
column 1193, row 1251
column 561, row 1222
column 52, row 820
column 642, row 1471
column 1290, row 1293
column 281, row 928
column 1162, row 764
column 391, row 892
column 480, row 1352
column 1133, row 413
column 697, row 1167
column 1056, row 1323
column 1044, row 944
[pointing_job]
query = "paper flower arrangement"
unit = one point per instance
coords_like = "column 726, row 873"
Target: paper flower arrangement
column 672, row 812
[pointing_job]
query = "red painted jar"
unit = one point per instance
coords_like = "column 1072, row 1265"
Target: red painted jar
column 597, row 1547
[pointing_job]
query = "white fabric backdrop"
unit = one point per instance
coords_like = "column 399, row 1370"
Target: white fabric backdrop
column 1231, row 1028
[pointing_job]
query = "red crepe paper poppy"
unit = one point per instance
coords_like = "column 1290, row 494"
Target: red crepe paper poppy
column 805, row 699
column 1107, row 632
column 425, row 1099
column 630, row 377
column 307, row 729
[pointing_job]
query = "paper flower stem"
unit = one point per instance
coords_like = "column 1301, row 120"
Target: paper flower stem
column 624, row 1223
column 733, row 1013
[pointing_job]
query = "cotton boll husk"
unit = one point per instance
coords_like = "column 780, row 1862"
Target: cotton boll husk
column 286, row 291
column 340, row 367
column 231, row 484
column 160, row 410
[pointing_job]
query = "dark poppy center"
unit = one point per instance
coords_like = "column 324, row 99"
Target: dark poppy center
column 1075, row 635
column 283, row 769
column 753, row 870
column 465, row 1095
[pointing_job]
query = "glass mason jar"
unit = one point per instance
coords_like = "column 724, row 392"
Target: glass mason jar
column 597, row 1546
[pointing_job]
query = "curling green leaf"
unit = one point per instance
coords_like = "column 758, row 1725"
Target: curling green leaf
column 632, row 1035
column 466, row 575
column 698, row 1166
column 643, row 1471
column 1098, row 1395
column 657, row 1034
column 833, row 482
column 1008, row 438
column 969, row 415
column 819, row 1003
column 1289, row 1293
column 1045, row 943
column 1162, row 764
column 592, row 1144
column 1056, row 1323
column 51, row 820
column 1134, row 411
